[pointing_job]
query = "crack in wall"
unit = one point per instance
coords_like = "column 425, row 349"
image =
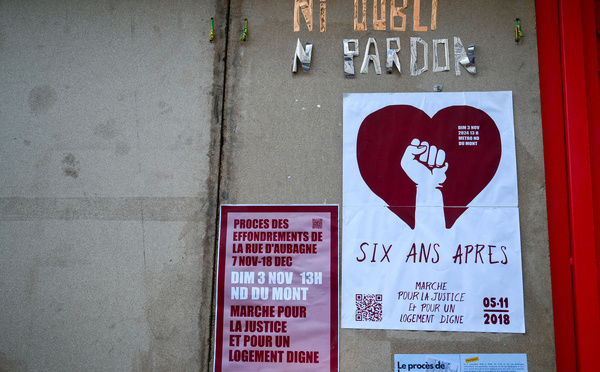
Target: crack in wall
column 216, row 155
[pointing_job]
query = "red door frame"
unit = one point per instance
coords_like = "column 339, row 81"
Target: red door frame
column 568, row 83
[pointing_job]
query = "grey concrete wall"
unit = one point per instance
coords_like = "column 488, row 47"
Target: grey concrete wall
column 107, row 188
column 111, row 170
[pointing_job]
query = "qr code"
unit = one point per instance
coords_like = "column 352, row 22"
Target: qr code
column 317, row 223
column 369, row 307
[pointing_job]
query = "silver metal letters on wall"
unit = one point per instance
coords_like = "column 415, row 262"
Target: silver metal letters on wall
column 304, row 55
column 349, row 57
column 392, row 55
column 461, row 57
column 371, row 57
column 436, row 63
column 414, row 71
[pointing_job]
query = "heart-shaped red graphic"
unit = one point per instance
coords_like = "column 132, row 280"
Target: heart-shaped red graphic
column 469, row 137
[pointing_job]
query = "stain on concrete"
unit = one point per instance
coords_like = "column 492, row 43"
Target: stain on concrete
column 173, row 303
column 142, row 362
column 2, row 37
column 111, row 7
column 107, row 130
column 164, row 108
column 41, row 99
column 187, row 141
column 188, row 78
column 70, row 166
column 124, row 96
column 164, row 175
column 121, row 148
column 11, row 365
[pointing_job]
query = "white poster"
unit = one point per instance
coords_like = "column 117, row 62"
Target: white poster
column 431, row 236
column 460, row 362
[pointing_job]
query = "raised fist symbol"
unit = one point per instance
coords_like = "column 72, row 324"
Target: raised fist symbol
column 424, row 164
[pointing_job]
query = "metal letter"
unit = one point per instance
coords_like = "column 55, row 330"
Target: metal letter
column 461, row 58
column 349, row 57
column 413, row 56
column 303, row 55
column 371, row 57
column 436, row 67
column 392, row 55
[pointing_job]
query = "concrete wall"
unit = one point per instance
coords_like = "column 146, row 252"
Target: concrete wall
column 111, row 169
column 107, row 186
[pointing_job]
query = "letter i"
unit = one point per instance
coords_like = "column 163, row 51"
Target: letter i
column 323, row 16
column 375, row 246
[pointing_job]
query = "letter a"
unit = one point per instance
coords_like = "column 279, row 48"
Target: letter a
column 371, row 57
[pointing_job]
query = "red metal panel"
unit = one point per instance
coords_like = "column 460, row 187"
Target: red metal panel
column 590, row 26
column 597, row 23
column 556, row 182
column 571, row 117
column 585, row 279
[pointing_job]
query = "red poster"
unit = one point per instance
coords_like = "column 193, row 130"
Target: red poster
column 277, row 296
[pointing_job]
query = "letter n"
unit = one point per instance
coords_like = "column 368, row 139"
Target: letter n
column 307, row 11
column 461, row 57
column 304, row 55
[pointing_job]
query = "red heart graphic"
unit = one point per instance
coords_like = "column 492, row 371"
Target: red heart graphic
column 385, row 134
